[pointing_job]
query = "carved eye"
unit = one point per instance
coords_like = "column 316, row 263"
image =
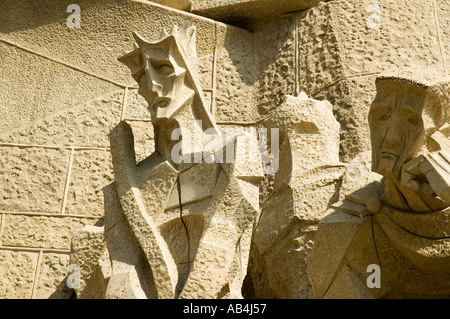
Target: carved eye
column 165, row 69
column 413, row 121
column 384, row 117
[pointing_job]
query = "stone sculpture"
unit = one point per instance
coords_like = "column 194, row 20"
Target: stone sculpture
column 303, row 189
column 389, row 235
column 177, row 228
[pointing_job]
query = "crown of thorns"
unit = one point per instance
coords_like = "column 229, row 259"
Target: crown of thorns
column 183, row 41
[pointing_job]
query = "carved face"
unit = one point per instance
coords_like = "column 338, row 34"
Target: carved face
column 161, row 80
column 396, row 125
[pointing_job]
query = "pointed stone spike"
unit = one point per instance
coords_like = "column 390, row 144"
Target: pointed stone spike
column 164, row 33
column 139, row 40
column 191, row 31
column 174, row 29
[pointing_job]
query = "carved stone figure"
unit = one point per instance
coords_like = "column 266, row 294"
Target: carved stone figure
column 179, row 223
column 389, row 235
column 303, row 188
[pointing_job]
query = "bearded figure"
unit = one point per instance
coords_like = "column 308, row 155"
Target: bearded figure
column 389, row 235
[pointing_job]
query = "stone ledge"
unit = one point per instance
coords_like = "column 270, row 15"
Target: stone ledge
column 240, row 12
column 246, row 12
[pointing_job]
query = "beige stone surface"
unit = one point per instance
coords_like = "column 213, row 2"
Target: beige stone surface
column 87, row 248
column 246, row 12
column 83, row 125
column 17, row 272
column 334, row 51
column 24, row 102
column 177, row 4
column 41, row 231
column 91, row 171
column 63, row 91
column 235, row 83
column 52, row 275
column 47, row 174
column 144, row 138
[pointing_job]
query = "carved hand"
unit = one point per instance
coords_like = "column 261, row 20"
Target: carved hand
column 428, row 174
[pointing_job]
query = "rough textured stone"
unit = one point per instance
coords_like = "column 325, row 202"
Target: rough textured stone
column 51, row 282
column 144, row 138
column 85, row 125
column 136, row 106
column 91, row 172
column 303, row 189
column 235, row 83
column 17, row 272
column 41, row 231
column 334, row 51
column 177, row 4
column 247, row 12
column 24, row 102
column 87, row 249
column 32, row 179
column 308, row 229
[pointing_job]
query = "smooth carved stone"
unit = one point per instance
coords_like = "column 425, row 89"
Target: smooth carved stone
column 374, row 205
column 177, row 4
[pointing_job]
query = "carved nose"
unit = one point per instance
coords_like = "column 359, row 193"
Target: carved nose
column 392, row 140
column 156, row 88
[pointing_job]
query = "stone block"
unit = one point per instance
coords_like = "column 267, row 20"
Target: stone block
column 334, row 51
column 136, row 106
column 275, row 54
column 32, row 179
column 176, row 4
column 374, row 37
column 235, row 79
column 17, row 272
column 51, row 278
column 50, row 87
column 86, row 124
column 91, row 172
column 88, row 246
column 144, row 142
column 41, row 231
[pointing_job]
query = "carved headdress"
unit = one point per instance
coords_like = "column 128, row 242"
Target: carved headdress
column 181, row 46
column 436, row 83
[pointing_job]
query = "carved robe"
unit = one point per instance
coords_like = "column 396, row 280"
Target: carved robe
column 178, row 232
column 411, row 249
